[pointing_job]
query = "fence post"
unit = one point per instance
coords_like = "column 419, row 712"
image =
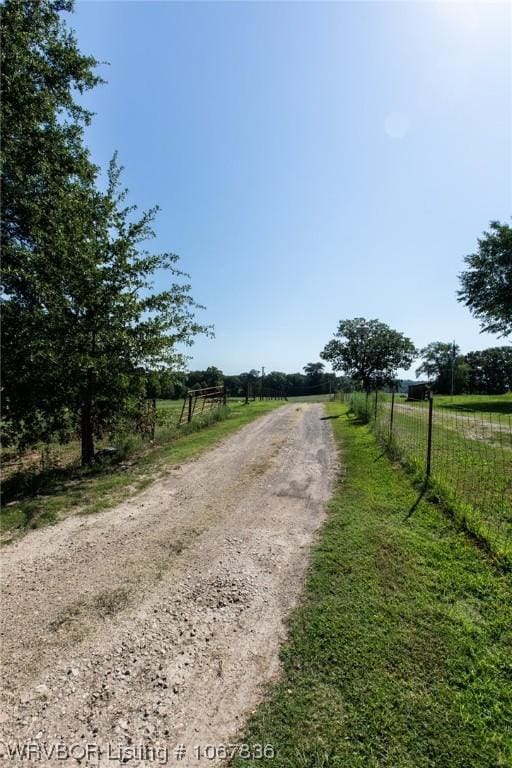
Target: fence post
column 429, row 440
column 189, row 408
column 375, row 408
column 391, row 415
column 247, row 394
column 153, row 418
column 224, row 398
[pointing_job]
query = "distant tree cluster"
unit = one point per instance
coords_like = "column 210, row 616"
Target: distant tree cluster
column 484, row 372
column 314, row 381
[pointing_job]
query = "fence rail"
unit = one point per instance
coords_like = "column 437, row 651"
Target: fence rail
column 465, row 456
column 266, row 393
column 196, row 401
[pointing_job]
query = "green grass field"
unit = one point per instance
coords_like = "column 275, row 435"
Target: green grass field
column 477, row 403
column 471, row 460
column 309, row 399
column 70, row 489
column 496, row 408
column 399, row 655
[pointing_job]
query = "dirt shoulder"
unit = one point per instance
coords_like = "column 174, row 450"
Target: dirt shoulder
column 158, row 622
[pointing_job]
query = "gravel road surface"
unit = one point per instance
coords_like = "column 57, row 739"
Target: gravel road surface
column 158, row 623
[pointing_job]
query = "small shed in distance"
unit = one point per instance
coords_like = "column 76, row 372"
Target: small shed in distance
column 418, row 392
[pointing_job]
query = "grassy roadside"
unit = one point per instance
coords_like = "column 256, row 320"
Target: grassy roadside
column 471, row 460
column 400, row 654
column 89, row 493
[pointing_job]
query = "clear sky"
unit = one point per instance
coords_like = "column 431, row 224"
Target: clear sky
column 313, row 161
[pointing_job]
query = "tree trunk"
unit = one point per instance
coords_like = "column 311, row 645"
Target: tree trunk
column 86, row 418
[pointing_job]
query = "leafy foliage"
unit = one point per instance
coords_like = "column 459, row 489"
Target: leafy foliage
column 490, row 371
column 46, row 177
column 369, row 351
column 437, row 360
column 485, row 372
column 82, row 323
column 487, row 283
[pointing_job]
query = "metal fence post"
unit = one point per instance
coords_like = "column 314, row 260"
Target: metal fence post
column 391, row 416
column 153, row 418
column 429, row 439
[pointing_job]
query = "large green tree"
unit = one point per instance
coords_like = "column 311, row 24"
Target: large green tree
column 439, row 361
column 314, row 374
column 42, row 147
column 46, row 178
column 369, row 352
column 211, row 377
column 276, row 380
column 118, row 326
column 314, row 370
column 490, row 371
column 82, row 325
column 486, row 286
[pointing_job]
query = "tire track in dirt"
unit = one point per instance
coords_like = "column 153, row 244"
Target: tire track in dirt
column 159, row 622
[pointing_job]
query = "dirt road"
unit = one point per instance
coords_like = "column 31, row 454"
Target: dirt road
column 158, row 623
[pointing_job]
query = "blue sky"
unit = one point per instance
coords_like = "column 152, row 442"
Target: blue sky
column 313, row 161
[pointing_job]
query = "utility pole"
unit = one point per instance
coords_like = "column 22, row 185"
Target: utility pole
column 453, row 366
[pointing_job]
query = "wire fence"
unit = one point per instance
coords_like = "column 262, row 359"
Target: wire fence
column 463, row 455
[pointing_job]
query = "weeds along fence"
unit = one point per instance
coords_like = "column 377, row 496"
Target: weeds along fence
column 196, row 400
column 465, row 457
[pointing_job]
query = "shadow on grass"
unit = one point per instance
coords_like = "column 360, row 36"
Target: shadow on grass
column 32, row 482
column 356, row 421
column 26, row 486
column 502, row 561
column 413, row 508
column 324, row 418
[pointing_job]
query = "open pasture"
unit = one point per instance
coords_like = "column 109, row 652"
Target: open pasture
column 470, row 457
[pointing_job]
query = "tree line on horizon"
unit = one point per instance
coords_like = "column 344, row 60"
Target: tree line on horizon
column 369, row 353
column 482, row 372
column 314, row 380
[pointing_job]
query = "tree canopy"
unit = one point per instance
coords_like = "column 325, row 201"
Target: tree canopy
column 369, row 352
column 82, row 324
column 489, row 371
column 486, row 286
column 438, row 360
